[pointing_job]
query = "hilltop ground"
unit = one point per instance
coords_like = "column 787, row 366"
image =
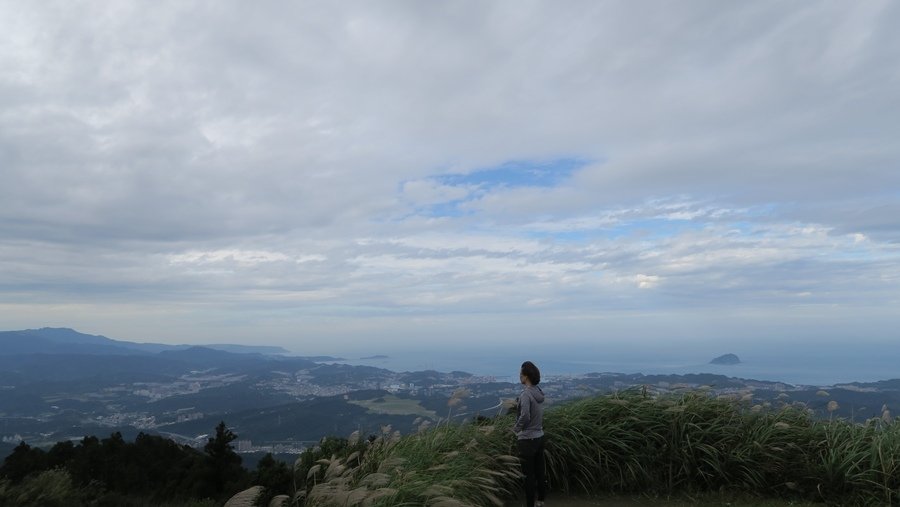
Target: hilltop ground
column 643, row 501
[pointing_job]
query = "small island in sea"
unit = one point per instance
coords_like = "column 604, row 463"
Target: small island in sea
column 726, row 359
column 369, row 358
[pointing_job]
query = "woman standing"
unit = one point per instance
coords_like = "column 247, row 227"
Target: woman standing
column 529, row 430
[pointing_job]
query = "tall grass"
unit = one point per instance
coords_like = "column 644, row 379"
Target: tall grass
column 635, row 443
column 630, row 443
column 452, row 465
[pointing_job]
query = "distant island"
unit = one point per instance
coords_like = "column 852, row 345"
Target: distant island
column 369, row 358
column 726, row 359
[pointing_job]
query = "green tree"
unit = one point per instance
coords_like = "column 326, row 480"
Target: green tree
column 116, row 465
column 61, row 454
column 168, row 470
column 22, row 462
column 87, row 462
column 273, row 475
column 226, row 474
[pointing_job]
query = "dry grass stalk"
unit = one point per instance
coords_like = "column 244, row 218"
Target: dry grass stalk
column 246, row 498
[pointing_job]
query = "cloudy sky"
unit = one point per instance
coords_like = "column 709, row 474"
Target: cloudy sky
column 332, row 175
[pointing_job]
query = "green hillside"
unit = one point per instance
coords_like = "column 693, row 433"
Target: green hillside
column 626, row 445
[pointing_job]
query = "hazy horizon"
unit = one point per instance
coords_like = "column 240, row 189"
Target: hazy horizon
column 795, row 362
column 493, row 178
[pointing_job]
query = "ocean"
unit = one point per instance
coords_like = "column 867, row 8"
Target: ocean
column 814, row 369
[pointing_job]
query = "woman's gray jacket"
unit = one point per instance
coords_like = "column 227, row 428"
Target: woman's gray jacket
column 530, row 414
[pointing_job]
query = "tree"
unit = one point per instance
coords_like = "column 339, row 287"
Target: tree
column 87, row 463
column 61, row 454
column 273, row 475
column 23, row 461
column 225, row 465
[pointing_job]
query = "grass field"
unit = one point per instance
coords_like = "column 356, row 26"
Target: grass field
column 391, row 405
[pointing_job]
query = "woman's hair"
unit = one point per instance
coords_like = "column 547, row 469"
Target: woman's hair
column 532, row 372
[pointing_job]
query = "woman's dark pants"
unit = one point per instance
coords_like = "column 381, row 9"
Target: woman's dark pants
column 531, row 452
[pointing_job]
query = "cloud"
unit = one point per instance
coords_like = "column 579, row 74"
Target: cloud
column 269, row 166
column 242, row 257
column 646, row 281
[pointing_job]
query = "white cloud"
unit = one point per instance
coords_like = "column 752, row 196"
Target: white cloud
column 279, row 162
column 241, row 257
column 646, row 281
column 495, row 243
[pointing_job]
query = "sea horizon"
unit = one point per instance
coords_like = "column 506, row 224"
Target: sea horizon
column 821, row 370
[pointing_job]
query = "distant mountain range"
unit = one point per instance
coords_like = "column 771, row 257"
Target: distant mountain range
column 36, row 357
column 50, row 340
column 56, row 383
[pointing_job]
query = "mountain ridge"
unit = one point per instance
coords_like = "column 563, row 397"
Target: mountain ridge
column 69, row 341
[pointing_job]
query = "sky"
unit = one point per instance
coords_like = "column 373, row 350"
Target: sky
column 360, row 176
